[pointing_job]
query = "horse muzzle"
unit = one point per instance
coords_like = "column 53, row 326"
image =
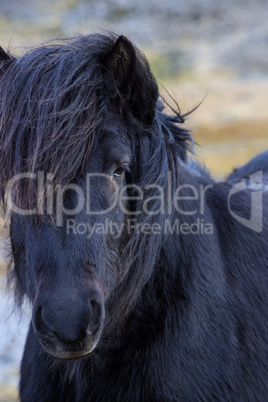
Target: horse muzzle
column 69, row 327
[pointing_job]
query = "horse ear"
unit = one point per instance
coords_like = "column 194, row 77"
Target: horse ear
column 133, row 79
column 3, row 55
column 121, row 62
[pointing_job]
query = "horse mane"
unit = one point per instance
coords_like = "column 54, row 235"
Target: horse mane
column 159, row 155
column 52, row 104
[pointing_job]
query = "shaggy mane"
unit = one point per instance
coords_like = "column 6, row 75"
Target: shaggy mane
column 51, row 105
column 50, row 108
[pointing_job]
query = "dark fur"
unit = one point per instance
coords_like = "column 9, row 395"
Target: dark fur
column 186, row 315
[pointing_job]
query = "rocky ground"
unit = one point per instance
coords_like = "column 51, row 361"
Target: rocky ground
column 198, row 34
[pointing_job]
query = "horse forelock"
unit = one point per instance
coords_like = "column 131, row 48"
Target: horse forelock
column 52, row 102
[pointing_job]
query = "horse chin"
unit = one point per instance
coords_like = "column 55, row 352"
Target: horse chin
column 68, row 352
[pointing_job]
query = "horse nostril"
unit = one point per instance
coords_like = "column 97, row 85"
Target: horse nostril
column 42, row 324
column 95, row 317
column 94, row 305
column 38, row 320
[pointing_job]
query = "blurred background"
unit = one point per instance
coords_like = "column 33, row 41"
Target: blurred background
column 200, row 50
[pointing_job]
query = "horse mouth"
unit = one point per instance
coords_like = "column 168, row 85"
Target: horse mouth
column 68, row 350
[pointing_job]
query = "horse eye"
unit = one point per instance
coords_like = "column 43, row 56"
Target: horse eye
column 119, row 172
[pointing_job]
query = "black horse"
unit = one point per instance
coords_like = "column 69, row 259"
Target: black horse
column 148, row 280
